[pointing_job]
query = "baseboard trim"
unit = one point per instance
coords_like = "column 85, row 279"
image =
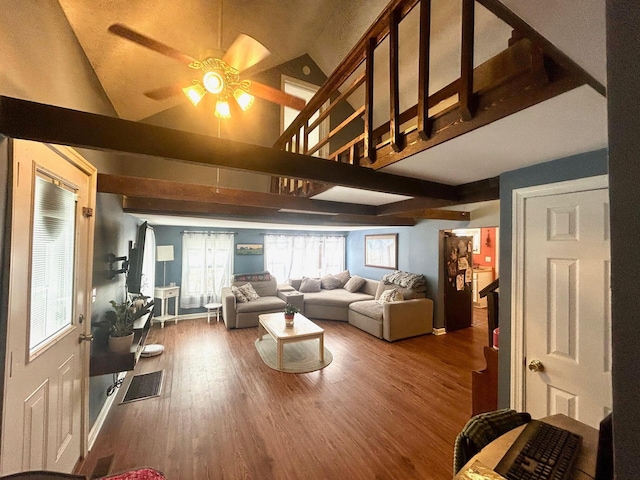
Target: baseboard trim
column 439, row 331
column 189, row 316
column 102, row 416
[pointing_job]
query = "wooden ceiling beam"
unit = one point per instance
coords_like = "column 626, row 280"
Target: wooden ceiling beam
column 169, row 190
column 141, row 205
column 50, row 124
column 437, row 214
column 480, row 191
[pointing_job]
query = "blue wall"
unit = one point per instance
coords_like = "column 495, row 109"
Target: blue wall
column 417, row 253
column 570, row 168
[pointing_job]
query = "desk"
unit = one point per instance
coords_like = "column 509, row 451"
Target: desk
column 585, row 466
column 164, row 294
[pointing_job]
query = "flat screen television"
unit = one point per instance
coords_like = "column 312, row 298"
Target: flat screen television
column 136, row 256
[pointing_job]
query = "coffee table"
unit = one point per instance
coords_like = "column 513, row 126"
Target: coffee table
column 303, row 329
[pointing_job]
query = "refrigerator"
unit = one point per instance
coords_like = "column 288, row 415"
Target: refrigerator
column 458, row 281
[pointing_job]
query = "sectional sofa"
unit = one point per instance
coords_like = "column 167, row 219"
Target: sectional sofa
column 363, row 306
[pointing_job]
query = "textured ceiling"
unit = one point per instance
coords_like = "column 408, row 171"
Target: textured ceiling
column 325, row 29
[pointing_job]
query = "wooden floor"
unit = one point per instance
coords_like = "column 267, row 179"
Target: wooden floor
column 379, row 411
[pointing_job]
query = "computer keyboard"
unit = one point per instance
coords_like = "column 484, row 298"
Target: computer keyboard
column 541, row 452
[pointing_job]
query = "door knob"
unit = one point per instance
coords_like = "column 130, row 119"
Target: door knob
column 85, row 338
column 536, row 365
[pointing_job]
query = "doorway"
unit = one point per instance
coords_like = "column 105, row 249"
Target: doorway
column 561, row 333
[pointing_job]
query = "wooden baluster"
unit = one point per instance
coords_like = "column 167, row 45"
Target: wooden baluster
column 424, row 123
column 369, row 148
column 305, row 137
column 397, row 139
column 467, row 107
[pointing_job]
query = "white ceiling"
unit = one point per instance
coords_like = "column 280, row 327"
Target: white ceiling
column 572, row 123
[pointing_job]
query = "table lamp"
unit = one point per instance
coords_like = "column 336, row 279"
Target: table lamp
column 164, row 253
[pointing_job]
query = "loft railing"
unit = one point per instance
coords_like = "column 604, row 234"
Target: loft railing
column 506, row 83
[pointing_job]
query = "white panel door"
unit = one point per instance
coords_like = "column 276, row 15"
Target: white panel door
column 44, row 407
column 567, row 320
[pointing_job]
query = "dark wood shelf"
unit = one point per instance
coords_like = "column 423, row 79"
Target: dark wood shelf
column 103, row 361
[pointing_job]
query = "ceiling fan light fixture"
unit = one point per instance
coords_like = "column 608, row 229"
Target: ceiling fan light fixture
column 244, row 99
column 194, row 93
column 222, row 109
column 213, row 81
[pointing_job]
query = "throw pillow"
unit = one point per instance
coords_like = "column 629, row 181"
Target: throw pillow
column 329, row 282
column 354, row 284
column 310, row 285
column 240, row 297
column 343, row 277
column 249, row 292
column 391, row 295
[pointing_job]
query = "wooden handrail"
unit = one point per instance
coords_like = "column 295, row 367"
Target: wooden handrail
column 508, row 82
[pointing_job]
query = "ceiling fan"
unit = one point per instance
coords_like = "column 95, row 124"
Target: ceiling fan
column 220, row 74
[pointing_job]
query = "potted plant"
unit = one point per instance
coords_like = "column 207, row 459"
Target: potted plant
column 289, row 312
column 120, row 324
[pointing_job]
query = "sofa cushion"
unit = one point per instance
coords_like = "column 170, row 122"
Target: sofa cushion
column 240, row 297
column 369, row 308
column 407, row 293
column 263, row 288
column 338, row 297
column 392, row 295
column 309, row 285
column 343, row 277
column 249, row 292
column 354, row 284
column 261, row 304
column 330, row 282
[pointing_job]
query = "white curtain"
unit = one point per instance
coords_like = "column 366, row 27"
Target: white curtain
column 207, row 266
column 297, row 256
column 148, row 283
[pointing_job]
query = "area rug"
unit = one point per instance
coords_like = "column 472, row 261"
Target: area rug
column 298, row 357
column 146, row 385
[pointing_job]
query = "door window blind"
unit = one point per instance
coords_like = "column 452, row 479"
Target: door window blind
column 52, row 255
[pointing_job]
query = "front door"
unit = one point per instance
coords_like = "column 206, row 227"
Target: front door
column 44, row 407
column 566, row 305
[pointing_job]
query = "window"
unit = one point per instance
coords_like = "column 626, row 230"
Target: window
column 207, row 265
column 305, row 91
column 295, row 256
column 52, row 255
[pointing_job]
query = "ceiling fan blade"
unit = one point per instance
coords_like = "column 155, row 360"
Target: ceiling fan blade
column 276, row 96
column 150, row 43
column 163, row 93
column 244, row 52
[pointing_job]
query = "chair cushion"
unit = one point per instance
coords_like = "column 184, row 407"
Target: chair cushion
column 240, row 297
column 261, row 304
column 249, row 292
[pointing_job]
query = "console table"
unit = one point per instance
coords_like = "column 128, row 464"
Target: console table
column 164, row 294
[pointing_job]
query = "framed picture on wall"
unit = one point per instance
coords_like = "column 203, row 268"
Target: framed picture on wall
column 249, row 248
column 381, row 250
